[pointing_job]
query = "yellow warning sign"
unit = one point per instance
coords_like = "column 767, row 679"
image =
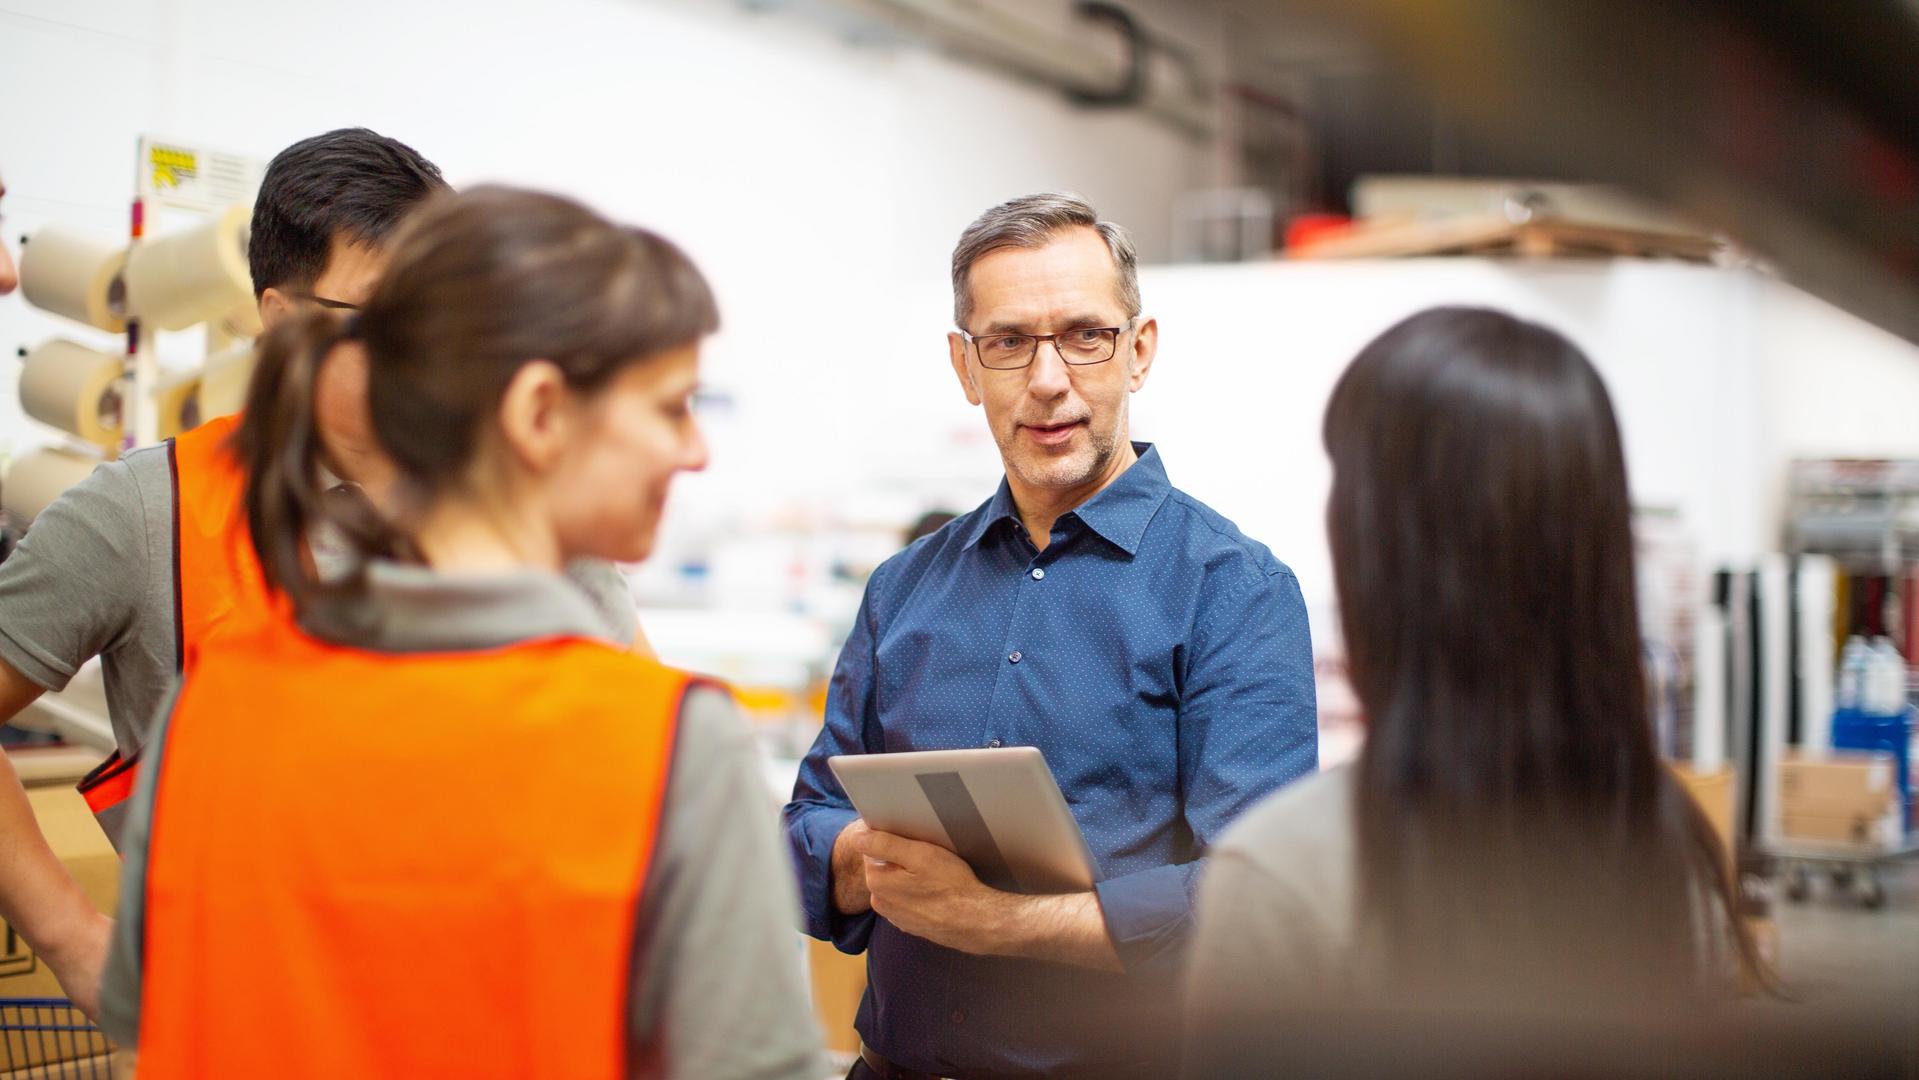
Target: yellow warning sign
column 180, row 175
column 172, row 166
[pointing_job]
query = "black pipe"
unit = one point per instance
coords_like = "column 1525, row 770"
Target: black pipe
column 1132, row 88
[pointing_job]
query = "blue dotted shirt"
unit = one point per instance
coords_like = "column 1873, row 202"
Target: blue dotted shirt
column 1162, row 663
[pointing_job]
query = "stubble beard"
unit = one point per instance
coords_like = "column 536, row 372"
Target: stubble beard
column 1042, row 471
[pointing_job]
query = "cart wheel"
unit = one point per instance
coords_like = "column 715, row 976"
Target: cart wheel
column 1798, row 883
column 1842, row 877
column 1871, row 892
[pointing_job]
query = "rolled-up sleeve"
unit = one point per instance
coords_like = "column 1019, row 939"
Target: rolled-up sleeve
column 1150, row 916
column 1249, row 725
column 820, row 808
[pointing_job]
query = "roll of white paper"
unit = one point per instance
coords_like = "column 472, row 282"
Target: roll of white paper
column 191, row 277
column 75, row 389
column 75, row 275
column 223, row 383
column 177, row 403
column 39, row 476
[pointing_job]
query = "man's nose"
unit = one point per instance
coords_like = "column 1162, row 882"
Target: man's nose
column 1047, row 376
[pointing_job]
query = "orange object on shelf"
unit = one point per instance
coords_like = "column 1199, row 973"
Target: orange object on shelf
column 1306, row 229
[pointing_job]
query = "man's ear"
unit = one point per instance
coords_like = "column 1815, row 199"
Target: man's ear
column 275, row 305
column 1145, row 349
column 956, row 350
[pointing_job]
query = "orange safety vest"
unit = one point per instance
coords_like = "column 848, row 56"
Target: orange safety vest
column 217, row 581
column 367, row 864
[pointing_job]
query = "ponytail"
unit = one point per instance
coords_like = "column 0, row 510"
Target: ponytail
column 278, row 443
column 476, row 284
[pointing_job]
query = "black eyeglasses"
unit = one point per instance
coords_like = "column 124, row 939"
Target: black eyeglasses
column 1008, row 352
column 328, row 302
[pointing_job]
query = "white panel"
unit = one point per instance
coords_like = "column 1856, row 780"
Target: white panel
column 1249, row 356
column 1709, row 692
column 1775, row 680
column 1817, row 661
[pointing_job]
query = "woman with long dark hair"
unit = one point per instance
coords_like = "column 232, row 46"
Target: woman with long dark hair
column 1508, row 837
column 430, row 823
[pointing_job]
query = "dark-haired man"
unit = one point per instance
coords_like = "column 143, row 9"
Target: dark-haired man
column 318, row 236
column 146, row 558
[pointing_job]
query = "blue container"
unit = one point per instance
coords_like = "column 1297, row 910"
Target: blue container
column 1854, row 730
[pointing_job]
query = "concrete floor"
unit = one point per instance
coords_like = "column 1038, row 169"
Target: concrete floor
column 1834, row 954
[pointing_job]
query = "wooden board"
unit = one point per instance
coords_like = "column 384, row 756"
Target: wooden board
column 1542, row 237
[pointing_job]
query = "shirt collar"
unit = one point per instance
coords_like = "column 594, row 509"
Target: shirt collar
column 997, row 509
column 1120, row 513
column 409, row 608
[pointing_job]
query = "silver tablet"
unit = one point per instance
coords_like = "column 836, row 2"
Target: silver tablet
column 1000, row 810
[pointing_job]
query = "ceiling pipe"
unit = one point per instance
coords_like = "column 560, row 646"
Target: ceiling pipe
column 1092, row 77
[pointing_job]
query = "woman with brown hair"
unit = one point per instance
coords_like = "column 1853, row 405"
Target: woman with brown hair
column 475, row 839
column 1508, row 838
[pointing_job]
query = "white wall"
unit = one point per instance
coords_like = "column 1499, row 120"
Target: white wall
column 820, row 184
column 1718, row 377
column 1836, row 387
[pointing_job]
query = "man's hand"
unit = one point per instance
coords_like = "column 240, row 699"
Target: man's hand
column 929, row 892
column 849, row 871
column 78, row 957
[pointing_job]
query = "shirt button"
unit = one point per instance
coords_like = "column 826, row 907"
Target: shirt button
column 994, row 743
column 1014, row 656
column 1038, row 574
column 959, row 1017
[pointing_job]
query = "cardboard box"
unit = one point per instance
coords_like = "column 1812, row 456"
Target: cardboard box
column 76, row 838
column 839, row 981
column 1844, row 785
column 40, row 766
column 1713, row 791
column 1880, row 832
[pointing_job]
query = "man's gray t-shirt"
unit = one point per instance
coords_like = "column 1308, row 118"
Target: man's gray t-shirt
column 94, row 577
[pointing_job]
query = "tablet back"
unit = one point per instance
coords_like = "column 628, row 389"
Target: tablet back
column 998, row 809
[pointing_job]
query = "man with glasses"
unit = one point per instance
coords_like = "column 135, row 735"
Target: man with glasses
column 320, row 224
column 1157, row 657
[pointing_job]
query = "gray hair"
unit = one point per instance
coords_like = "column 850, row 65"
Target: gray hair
column 1032, row 221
